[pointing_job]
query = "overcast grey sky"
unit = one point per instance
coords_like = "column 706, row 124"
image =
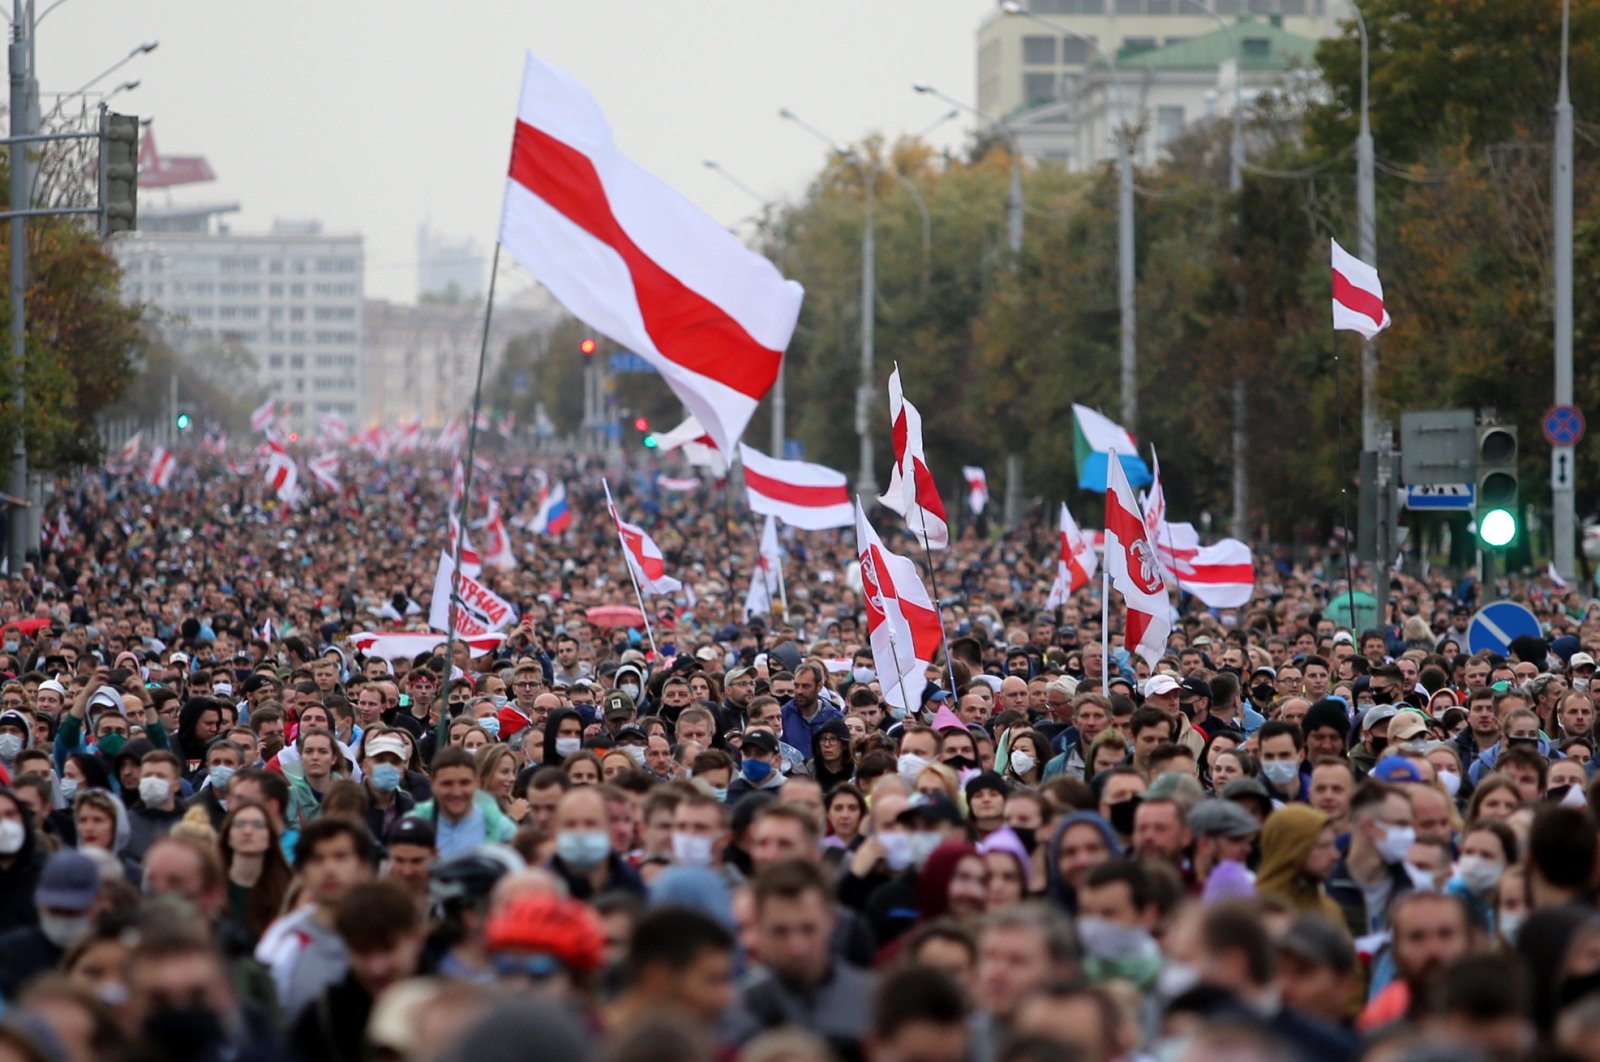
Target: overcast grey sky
column 372, row 115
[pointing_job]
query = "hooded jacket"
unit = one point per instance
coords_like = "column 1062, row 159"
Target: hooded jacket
column 1057, row 887
column 1288, row 837
column 847, row 767
column 552, row 723
column 19, row 875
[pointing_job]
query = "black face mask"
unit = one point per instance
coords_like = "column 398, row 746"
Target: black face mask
column 1232, row 671
column 1028, row 836
column 183, row 1033
column 1263, row 693
column 1378, row 745
column 1382, row 696
column 962, row 763
column 1122, row 814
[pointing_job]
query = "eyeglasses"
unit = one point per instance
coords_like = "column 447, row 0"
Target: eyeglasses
column 527, row 685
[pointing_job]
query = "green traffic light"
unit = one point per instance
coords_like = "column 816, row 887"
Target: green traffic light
column 1497, row 527
column 183, row 422
column 650, row 441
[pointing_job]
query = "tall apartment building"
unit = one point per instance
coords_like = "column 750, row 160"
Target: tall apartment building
column 292, row 296
column 1022, row 63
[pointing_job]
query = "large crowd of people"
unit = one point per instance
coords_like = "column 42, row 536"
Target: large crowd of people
column 227, row 832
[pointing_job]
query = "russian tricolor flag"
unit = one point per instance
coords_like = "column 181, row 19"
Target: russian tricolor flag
column 553, row 517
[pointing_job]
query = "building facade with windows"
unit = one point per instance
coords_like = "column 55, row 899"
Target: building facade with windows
column 291, row 296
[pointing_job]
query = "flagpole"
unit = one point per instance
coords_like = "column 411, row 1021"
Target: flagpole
column 1344, row 495
column 632, row 576
column 727, row 542
column 466, row 491
column 938, row 602
column 1105, row 599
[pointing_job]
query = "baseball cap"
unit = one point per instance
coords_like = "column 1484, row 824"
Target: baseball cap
column 1222, row 818
column 1580, row 660
column 764, row 740
column 1396, row 769
column 110, row 698
column 1319, row 942
column 1343, row 638
column 1195, row 687
column 412, row 830
column 69, row 882
column 931, row 806
column 1158, row 685
column 1406, row 725
column 1201, row 642
column 1264, row 670
column 1378, row 713
column 633, row 733
column 387, row 743
column 1245, row 787
column 738, row 673
column 617, row 704
column 52, row 684
column 708, row 653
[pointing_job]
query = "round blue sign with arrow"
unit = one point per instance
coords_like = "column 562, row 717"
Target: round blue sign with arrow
column 1563, row 425
column 1496, row 625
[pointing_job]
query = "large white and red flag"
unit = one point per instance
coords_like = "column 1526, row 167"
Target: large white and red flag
column 1357, row 295
column 644, row 557
column 1221, row 575
column 903, row 625
column 392, row 645
column 264, row 415
column 496, row 548
column 912, row 492
column 1134, row 570
column 161, row 468
column 1075, row 564
column 283, row 473
column 474, row 608
column 334, row 428
column 977, row 488
column 766, row 579
column 698, row 448
column 471, row 559
column 324, row 469
column 638, row 261
column 801, row 494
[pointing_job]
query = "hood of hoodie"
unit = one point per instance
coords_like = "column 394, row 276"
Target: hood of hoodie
column 18, row 719
column 1287, row 838
column 552, row 723
column 933, row 881
column 1059, row 889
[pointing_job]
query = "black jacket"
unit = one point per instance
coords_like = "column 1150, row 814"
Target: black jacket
column 620, row 877
column 331, row 1029
column 28, row 953
column 19, row 879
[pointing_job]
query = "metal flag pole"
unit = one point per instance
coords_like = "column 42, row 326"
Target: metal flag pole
column 466, row 490
column 938, row 607
column 1344, row 494
column 633, row 577
column 1105, row 595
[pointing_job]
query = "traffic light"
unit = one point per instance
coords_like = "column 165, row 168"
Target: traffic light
column 587, row 346
column 650, row 441
column 119, row 173
column 183, row 421
column 1496, row 501
column 641, row 424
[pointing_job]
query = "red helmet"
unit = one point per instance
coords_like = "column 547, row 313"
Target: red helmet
column 564, row 929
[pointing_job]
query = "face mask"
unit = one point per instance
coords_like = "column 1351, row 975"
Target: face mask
column 922, row 845
column 385, row 777
column 1378, row 744
column 755, row 772
column 1028, row 836
column 1121, row 816
column 184, row 1032
column 220, row 776
column 500, row 700
column 690, row 850
column 721, row 793
column 962, row 764
column 1451, row 782
column 153, row 791
column 910, row 765
column 1580, row 683
column 896, row 850
column 1480, row 873
column 1280, row 772
column 632, row 691
column 68, row 788
column 12, row 834
column 1022, row 762
column 583, row 849
column 63, row 930
column 897, row 713
column 863, row 675
column 635, row 753
column 1396, row 843
column 1263, row 693
column 12, row 647
column 1110, row 942
column 110, row 745
column 491, row 725
column 10, row 745
column 568, row 745
column 1510, row 924
column 1175, row 979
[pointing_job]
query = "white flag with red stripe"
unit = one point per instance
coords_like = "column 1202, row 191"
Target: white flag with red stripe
column 283, row 473
column 392, row 645
column 130, row 449
column 1134, row 570
column 1357, row 295
column 801, row 494
column 903, row 626
column 698, row 448
column 471, row 559
column 639, row 262
column 496, row 548
column 644, row 557
column 912, row 492
column 1221, row 575
column 161, row 468
column 763, row 592
column 324, row 469
column 1075, row 564
column 264, row 415
column 977, row 488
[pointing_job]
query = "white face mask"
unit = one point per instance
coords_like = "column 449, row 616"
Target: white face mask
column 1395, row 844
column 1480, row 872
column 922, row 845
column 568, row 745
column 63, row 930
column 911, row 765
column 896, row 850
column 631, row 690
column 154, row 791
column 12, row 834
column 691, row 850
column 1451, row 782
column 1022, row 763
column 10, row 745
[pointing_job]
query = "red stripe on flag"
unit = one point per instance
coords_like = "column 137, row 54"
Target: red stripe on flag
column 1357, row 300
column 1220, row 574
column 927, row 491
column 795, row 494
column 689, row 329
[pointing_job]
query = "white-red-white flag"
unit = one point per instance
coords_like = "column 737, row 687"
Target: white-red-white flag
column 1134, row 570
column 496, row 540
column 56, row 531
column 392, row 645
column 763, row 592
column 475, row 609
column 977, row 488
column 1221, row 575
column 1075, row 563
column 1357, row 295
column 801, row 494
column 644, row 557
column 161, row 468
column 324, row 469
column 283, row 473
column 903, row 625
column 264, row 415
column 130, row 450
column 471, row 559
column 699, row 449
column 912, row 492
column 639, row 262
column 451, row 437
column 410, row 437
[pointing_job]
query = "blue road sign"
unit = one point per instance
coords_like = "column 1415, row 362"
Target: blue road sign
column 1563, row 425
column 623, row 361
column 1441, row 497
column 794, row 450
column 1495, row 625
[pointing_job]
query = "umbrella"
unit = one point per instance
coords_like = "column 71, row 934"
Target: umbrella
column 615, row 616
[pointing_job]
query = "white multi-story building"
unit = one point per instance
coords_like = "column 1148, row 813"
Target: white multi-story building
column 291, row 296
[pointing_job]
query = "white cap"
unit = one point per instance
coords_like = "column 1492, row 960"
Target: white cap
column 53, row 686
column 110, row 698
column 387, row 743
column 1157, row 685
column 1580, row 660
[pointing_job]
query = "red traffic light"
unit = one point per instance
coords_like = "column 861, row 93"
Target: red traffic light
column 588, row 347
column 640, row 424
column 294, row 436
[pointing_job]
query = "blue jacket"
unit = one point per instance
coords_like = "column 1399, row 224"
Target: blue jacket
column 1484, row 764
column 797, row 730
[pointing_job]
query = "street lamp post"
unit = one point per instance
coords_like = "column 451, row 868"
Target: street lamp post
column 866, row 479
column 1125, row 272
column 1014, row 196
column 1562, row 470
